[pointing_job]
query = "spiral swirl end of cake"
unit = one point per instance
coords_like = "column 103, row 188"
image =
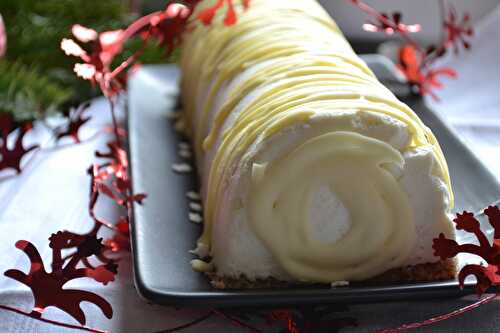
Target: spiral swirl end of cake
column 352, row 168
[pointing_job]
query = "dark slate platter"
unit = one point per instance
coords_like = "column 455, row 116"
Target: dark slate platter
column 162, row 235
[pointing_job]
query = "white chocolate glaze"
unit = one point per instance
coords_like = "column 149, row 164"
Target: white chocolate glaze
column 311, row 169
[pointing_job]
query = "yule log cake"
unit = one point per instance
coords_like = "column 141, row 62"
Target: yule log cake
column 312, row 171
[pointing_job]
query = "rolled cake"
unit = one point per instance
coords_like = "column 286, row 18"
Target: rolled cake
column 311, row 170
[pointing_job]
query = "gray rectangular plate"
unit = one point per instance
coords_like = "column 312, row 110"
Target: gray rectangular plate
column 162, row 235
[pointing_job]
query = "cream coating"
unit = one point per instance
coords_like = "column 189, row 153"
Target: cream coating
column 286, row 120
column 244, row 253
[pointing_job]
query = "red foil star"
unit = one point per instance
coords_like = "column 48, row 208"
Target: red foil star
column 10, row 158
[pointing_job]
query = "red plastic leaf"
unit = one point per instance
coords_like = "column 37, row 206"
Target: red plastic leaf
column 120, row 240
column 485, row 276
column 411, row 64
column 493, row 214
column 445, row 248
column 457, row 32
column 76, row 120
column 208, row 14
column 10, row 158
column 103, row 274
column 467, row 222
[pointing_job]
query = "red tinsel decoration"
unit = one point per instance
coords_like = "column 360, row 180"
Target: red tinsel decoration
column 166, row 26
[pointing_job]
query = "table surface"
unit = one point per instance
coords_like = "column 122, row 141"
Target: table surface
column 52, row 194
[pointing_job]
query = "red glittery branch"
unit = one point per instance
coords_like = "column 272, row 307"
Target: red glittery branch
column 166, row 26
column 415, row 60
column 107, row 45
column 120, row 188
column 10, row 158
column 111, row 179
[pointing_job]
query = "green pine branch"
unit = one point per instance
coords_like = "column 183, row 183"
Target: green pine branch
column 34, row 32
column 27, row 94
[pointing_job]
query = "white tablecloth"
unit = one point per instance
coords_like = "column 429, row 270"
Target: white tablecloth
column 52, row 194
